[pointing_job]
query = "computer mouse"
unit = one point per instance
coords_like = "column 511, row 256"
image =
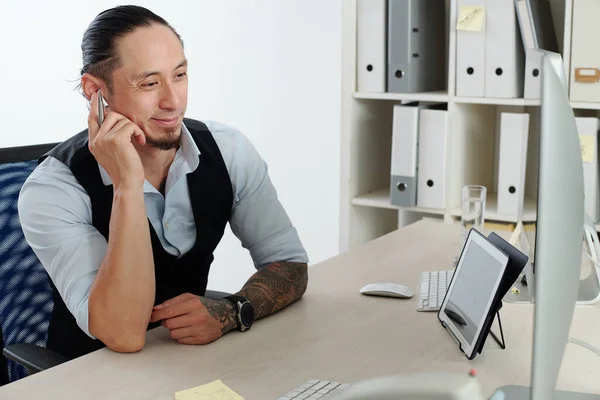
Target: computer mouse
column 387, row 289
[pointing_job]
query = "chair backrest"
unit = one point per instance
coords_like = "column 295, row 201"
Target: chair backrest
column 25, row 294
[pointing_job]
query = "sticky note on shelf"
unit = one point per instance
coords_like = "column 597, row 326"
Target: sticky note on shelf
column 470, row 18
column 588, row 147
column 215, row 390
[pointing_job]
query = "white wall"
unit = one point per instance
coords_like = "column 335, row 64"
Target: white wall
column 271, row 68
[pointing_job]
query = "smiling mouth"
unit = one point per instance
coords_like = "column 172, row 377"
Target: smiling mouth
column 166, row 121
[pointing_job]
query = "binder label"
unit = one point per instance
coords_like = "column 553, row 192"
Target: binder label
column 470, row 18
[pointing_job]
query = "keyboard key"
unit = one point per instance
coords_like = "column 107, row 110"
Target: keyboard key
column 315, row 389
column 433, row 288
column 320, row 385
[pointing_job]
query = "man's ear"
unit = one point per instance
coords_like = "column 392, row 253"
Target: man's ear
column 90, row 85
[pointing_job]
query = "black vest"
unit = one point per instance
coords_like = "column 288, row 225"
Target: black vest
column 211, row 197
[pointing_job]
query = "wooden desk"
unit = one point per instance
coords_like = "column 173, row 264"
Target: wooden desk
column 333, row 333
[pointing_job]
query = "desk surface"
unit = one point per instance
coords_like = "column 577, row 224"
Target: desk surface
column 333, row 333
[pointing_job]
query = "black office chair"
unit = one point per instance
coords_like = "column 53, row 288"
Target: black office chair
column 25, row 294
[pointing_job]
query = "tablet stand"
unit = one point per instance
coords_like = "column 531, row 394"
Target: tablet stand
column 487, row 330
column 502, row 343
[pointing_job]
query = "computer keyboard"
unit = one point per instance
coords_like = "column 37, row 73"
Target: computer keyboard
column 315, row 389
column 432, row 290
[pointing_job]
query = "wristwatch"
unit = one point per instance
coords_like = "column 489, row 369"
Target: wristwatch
column 244, row 312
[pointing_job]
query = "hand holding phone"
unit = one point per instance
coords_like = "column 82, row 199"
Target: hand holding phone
column 111, row 139
column 100, row 108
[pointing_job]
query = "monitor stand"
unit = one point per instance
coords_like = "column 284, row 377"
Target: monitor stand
column 513, row 392
column 589, row 287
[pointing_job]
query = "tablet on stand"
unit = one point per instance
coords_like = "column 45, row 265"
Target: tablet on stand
column 474, row 296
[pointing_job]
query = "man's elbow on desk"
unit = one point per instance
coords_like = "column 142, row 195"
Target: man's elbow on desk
column 121, row 337
column 120, row 340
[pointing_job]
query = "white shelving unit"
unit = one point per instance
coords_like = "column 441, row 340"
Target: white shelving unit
column 495, row 101
column 381, row 199
column 366, row 210
column 430, row 96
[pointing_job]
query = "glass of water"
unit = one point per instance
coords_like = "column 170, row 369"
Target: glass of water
column 472, row 211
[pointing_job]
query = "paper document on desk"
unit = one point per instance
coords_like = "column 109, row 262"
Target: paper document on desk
column 215, row 390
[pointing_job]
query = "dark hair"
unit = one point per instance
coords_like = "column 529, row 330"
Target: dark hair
column 98, row 46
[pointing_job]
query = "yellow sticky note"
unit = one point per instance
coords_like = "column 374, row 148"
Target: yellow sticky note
column 215, row 390
column 470, row 18
column 587, row 148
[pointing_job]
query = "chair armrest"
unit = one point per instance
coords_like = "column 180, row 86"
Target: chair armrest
column 33, row 357
column 215, row 294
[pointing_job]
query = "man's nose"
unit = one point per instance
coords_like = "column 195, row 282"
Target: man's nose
column 169, row 98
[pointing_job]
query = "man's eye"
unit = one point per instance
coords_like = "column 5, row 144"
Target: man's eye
column 181, row 75
column 150, row 84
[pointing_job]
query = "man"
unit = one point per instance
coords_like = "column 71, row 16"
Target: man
column 125, row 215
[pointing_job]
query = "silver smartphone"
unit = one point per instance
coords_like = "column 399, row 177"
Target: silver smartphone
column 100, row 108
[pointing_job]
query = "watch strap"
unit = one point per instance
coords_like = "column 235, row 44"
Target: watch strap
column 234, row 298
column 239, row 302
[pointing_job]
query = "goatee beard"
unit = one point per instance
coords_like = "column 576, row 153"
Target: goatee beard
column 167, row 142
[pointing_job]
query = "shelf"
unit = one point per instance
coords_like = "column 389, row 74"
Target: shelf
column 491, row 211
column 585, row 106
column 380, row 198
column 498, row 101
column 441, row 96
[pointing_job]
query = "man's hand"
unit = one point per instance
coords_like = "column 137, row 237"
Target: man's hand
column 195, row 320
column 111, row 144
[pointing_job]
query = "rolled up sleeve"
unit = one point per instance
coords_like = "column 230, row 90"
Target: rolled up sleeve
column 55, row 215
column 258, row 218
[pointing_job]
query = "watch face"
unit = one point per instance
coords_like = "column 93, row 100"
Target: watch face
column 247, row 314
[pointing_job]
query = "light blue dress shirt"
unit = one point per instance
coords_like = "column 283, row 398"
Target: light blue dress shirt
column 56, row 215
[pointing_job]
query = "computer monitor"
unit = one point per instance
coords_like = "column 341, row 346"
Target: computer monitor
column 559, row 235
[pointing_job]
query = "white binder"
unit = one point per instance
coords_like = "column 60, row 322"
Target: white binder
column 514, row 134
column 470, row 54
column 433, row 137
column 533, row 76
column 588, row 137
column 585, row 57
column 405, row 143
column 504, row 56
column 371, row 45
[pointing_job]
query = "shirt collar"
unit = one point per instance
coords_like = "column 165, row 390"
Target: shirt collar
column 187, row 147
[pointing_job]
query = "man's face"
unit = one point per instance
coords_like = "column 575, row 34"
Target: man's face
column 150, row 86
